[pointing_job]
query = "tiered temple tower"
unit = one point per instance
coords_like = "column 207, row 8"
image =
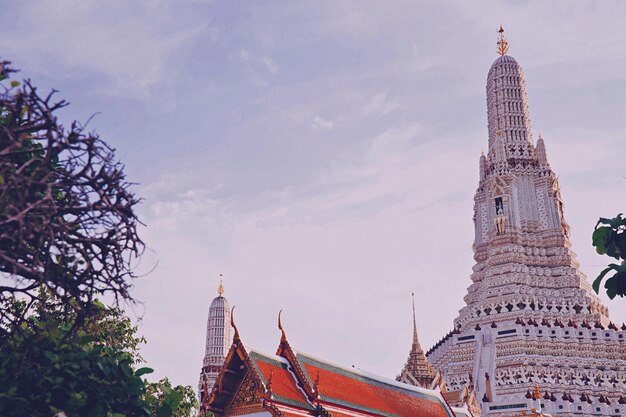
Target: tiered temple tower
column 217, row 342
column 530, row 315
column 417, row 370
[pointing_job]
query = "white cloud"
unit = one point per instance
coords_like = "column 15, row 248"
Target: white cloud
column 320, row 123
column 270, row 64
column 110, row 40
column 380, row 105
column 245, row 55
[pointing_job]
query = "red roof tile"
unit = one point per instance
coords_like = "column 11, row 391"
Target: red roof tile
column 366, row 393
column 283, row 383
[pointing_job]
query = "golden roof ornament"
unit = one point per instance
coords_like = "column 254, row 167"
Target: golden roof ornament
column 283, row 336
column 236, row 337
column 220, row 288
column 503, row 44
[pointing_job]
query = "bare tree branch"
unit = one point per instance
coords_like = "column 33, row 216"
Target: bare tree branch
column 67, row 219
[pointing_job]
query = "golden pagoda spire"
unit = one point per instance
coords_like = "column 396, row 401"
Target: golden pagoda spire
column 220, row 288
column 503, row 44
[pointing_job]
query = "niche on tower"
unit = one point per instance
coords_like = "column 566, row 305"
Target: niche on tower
column 500, row 218
column 499, row 206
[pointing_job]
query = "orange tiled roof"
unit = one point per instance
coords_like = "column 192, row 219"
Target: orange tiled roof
column 283, row 383
column 358, row 391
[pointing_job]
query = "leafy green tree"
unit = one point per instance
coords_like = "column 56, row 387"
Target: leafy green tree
column 165, row 400
column 609, row 238
column 68, row 234
column 47, row 366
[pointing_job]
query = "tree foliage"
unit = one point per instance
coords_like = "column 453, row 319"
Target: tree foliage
column 609, row 238
column 165, row 400
column 48, row 367
column 66, row 210
column 68, row 234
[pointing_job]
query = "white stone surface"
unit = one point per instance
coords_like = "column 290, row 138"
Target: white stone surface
column 527, row 309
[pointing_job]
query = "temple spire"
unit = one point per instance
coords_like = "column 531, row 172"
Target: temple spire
column 417, row 370
column 416, row 342
column 218, row 341
column 503, row 44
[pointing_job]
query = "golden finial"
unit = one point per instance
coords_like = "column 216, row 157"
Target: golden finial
column 537, row 392
column 503, row 44
column 220, row 288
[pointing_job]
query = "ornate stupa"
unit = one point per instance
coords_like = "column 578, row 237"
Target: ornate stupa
column 217, row 342
column 530, row 315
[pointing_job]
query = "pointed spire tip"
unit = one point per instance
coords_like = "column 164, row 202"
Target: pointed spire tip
column 220, row 288
column 415, row 340
column 503, row 44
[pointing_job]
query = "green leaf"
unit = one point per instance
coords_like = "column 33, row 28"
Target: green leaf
column 611, row 287
column 143, row 371
column 51, row 356
column 599, row 239
column 616, row 222
column 598, row 280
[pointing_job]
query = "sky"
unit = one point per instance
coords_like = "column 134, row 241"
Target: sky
column 323, row 156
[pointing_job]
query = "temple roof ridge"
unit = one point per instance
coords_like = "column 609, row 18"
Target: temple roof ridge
column 250, row 349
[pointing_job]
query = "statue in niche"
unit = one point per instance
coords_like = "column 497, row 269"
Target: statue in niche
column 500, row 224
column 500, row 219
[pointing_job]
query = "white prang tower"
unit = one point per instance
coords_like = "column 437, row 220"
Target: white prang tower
column 217, row 342
column 530, row 316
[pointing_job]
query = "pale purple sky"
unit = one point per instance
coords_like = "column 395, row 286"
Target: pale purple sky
column 323, row 155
